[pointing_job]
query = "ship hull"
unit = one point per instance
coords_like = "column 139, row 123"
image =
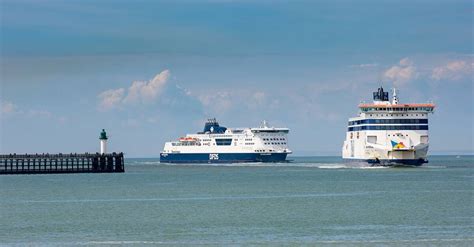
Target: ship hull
column 390, row 162
column 221, row 157
column 385, row 156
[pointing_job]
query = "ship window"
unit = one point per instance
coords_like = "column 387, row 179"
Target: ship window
column 372, row 139
column 223, row 142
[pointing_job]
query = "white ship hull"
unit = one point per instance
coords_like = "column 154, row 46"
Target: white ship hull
column 386, row 155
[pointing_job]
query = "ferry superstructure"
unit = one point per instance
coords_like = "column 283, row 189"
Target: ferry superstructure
column 218, row 144
column 388, row 133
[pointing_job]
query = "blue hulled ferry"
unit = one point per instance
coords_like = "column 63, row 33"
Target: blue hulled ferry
column 218, row 144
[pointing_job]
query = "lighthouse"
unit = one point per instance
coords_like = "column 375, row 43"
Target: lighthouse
column 103, row 142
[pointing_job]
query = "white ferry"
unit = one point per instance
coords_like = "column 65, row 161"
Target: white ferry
column 388, row 133
column 218, row 144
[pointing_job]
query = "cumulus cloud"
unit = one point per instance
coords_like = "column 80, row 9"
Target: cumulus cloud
column 402, row 73
column 110, row 99
column 406, row 62
column 147, row 91
column 453, row 70
column 139, row 91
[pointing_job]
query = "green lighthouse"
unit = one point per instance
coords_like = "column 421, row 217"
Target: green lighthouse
column 103, row 135
column 103, row 142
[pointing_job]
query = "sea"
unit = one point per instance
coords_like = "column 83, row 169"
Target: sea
column 310, row 201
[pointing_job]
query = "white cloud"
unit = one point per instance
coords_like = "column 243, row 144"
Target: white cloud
column 110, row 99
column 139, row 91
column 402, row 73
column 147, row 91
column 39, row 113
column 217, row 101
column 259, row 97
column 365, row 65
column 223, row 101
column 454, row 70
column 406, row 62
column 132, row 123
column 7, row 107
column 153, row 120
column 62, row 120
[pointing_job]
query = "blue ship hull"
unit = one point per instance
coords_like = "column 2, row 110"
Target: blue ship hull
column 391, row 162
column 221, row 157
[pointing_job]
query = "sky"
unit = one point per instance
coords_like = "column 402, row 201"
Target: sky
column 152, row 71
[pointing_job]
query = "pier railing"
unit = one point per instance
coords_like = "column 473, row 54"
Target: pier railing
column 61, row 163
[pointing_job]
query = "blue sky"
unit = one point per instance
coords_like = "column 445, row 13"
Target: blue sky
column 151, row 71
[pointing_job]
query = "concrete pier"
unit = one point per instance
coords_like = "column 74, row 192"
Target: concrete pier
column 61, row 163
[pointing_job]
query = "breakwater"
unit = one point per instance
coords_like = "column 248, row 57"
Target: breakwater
column 61, row 163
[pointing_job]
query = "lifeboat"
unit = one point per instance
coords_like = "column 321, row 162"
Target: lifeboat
column 187, row 139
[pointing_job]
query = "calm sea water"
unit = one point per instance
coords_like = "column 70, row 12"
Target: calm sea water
column 310, row 201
